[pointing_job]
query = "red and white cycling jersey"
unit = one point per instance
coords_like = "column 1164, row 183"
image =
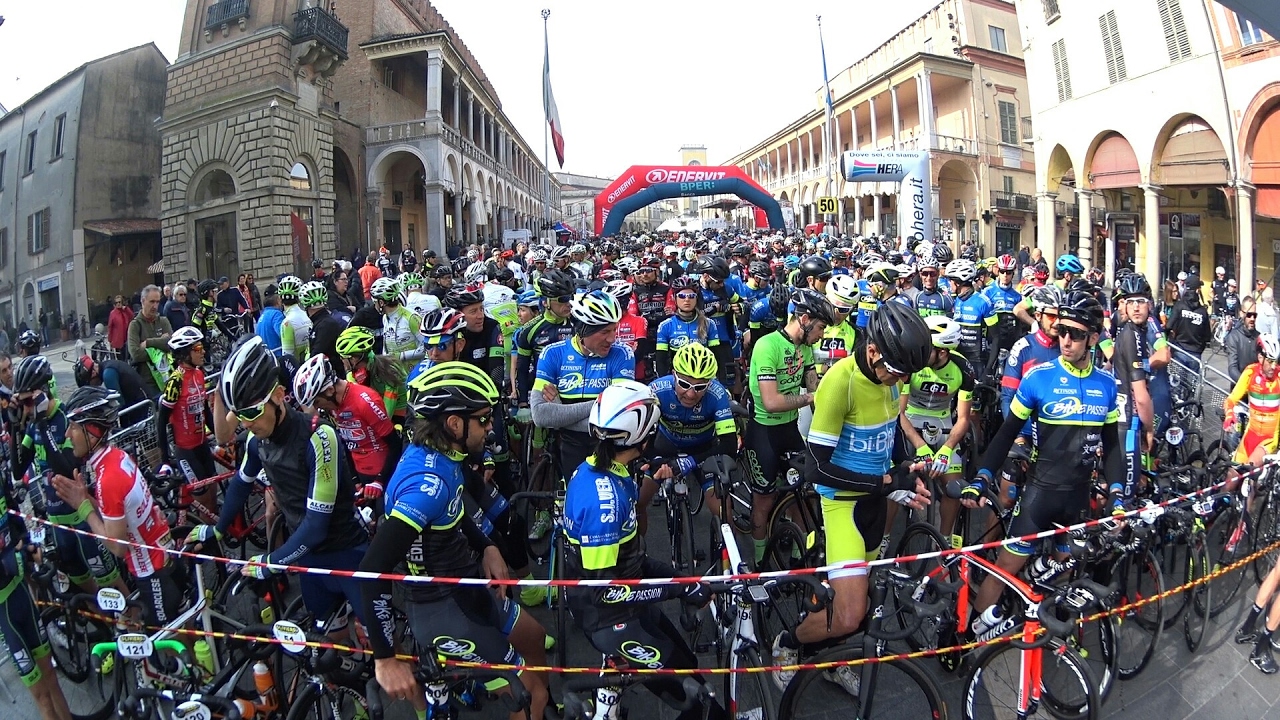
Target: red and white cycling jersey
column 122, row 494
column 363, row 422
column 184, row 394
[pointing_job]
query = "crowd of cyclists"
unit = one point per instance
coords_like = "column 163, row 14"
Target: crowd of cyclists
column 628, row 362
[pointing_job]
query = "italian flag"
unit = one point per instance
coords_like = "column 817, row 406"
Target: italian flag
column 549, row 103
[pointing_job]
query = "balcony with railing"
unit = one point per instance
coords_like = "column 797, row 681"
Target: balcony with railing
column 319, row 25
column 222, row 14
column 411, row 131
column 1012, row 201
column 1026, row 129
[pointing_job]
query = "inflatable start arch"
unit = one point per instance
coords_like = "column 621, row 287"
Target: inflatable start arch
column 643, row 185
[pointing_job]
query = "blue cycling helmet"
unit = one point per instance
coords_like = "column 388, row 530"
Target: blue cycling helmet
column 528, row 298
column 1069, row 263
column 792, row 262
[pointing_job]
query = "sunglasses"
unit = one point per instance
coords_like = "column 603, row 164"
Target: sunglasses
column 483, row 420
column 645, row 270
column 1251, row 315
column 824, row 277
column 253, row 412
column 686, row 296
column 692, row 387
column 1076, row 334
column 1139, row 300
column 928, row 273
column 1006, row 272
column 563, row 298
column 890, row 369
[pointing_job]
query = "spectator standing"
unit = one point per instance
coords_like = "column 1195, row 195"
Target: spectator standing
column 118, row 326
column 176, row 308
column 1242, row 342
column 368, row 273
column 1266, row 307
column 149, row 330
column 43, row 319
column 269, row 322
column 229, row 298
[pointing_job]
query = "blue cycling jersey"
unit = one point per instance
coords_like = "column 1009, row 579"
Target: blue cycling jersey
column 973, row 313
column 674, row 333
column 600, row 519
column 692, row 427
column 762, row 316
column 1068, row 407
column 1003, row 299
column 579, row 378
column 933, row 302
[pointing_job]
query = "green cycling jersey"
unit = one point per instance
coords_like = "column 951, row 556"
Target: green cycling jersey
column 775, row 358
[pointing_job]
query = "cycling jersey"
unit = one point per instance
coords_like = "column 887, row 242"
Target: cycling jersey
column 931, row 391
column 867, row 303
column 43, row 435
column 121, row 493
column 420, row 303
column 1030, row 351
column 1131, row 363
column 1003, row 299
column 184, row 394
column 363, row 424
column 933, row 302
column 400, row 335
column 651, row 304
column 856, row 417
column 392, row 393
column 762, row 316
column 531, row 340
column 295, row 333
column 631, row 330
column 691, row 427
column 836, row 344
column 578, row 377
column 717, row 305
column 973, row 314
column 675, row 332
column 203, row 316
column 776, row 358
column 1068, row 408
column 584, row 269
column 484, row 350
column 1264, row 409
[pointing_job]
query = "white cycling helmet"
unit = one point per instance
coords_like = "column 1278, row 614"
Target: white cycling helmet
column 577, row 248
column 477, row 272
column 629, row 265
column 842, row 291
column 963, row 270
column 185, row 337
column 945, row 331
column 625, row 412
column 596, row 308
column 312, row 378
column 1269, row 346
column 385, row 289
column 559, row 252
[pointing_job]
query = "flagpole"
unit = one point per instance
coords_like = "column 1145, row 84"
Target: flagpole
column 546, row 134
column 826, row 123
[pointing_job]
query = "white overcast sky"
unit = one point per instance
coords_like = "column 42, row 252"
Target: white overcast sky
column 633, row 81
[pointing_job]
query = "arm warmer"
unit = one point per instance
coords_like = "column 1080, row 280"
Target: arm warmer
column 479, row 541
column 524, row 377
column 390, row 545
column 1114, row 463
column 394, row 449
column 556, row 415
column 311, row 531
column 999, row 446
column 819, row 470
column 162, row 425
column 662, row 358
column 238, row 491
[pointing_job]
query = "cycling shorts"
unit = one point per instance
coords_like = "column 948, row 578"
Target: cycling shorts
column 24, row 636
column 1248, row 444
column 853, row 531
column 196, row 464
column 766, row 445
column 83, row 558
column 471, row 624
column 1041, row 507
column 161, row 595
column 323, row 594
column 664, row 448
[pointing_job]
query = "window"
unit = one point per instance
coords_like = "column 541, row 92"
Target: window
column 1008, row 183
column 4, row 247
column 38, row 231
column 1061, row 70
column 2, row 156
column 59, row 134
column 1176, row 39
column 1008, row 123
column 1111, row 47
column 1050, row 11
column 30, row 166
column 1250, row 34
column 997, row 39
column 388, row 76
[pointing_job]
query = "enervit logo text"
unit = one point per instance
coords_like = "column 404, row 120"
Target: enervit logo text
column 660, row 175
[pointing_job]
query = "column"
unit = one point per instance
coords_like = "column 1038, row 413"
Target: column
column 458, row 233
column 1045, row 229
column 473, row 227
column 1084, row 200
column 1151, row 233
column 435, row 84
column 790, row 165
column 373, row 214
column 471, row 116
column 924, row 88
column 853, row 128
column 897, row 124
column 457, row 105
column 857, row 211
column 435, row 219
column 875, row 217
column 838, row 147
column 1244, row 217
column 875, row 137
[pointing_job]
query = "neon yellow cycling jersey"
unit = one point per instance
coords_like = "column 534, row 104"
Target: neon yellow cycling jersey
column 931, row 391
column 857, row 417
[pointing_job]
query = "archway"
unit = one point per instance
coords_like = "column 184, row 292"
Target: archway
column 1191, row 166
column 742, row 187
column 346, row 209
column 958, row 201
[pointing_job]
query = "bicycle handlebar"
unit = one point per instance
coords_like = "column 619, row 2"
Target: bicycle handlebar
column 816, row 600
column 132, row 705
column 518, row 699
column 1079, row 596
column 901, row 582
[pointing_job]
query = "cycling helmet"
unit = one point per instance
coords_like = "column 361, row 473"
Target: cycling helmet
column 609, row 275
column 355, row 341
column 628, row 265
column 695, row 360
column 1006, row 262
column 945, row 331
column 207, row 286
column 842, row 291
column 460, row 297
column 596, row 309
column 451, row 388
column 619, row 289
column 29, row 340
column 759, row 269
column 313, row 294
column 870, row 258
column 556, row 284
column 312, row 378
column 559, row 252
column 411, row 280
column 444, row 321
column 577, row 248
column 942, row 254
column 184, row 338
column 93, row 405
column 815, row 266
column 684, row 282
column 791, row 262
column 443, row 271
column 741, row 250
column 477, row 272
column 812, row 303
column 902, row 337
column 716, row 268
column 288, row 287
column 528, row 298
column 1082, row 308
column 926, row 259
column 1045, row 298
column 384, row 289
column 1269, row 346
column 1069, row 263
column 250, row 374
column 34, row 373
column 1040, row 271
column 1133, row 285
column 84, row 370
column 883, row 272
column 1080, row 285
column 625, row 412
column 962, row 271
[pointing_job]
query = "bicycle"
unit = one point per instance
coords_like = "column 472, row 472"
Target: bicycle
column 555, row 554
column 606, row 691
column 450, row 690
column 195, row 706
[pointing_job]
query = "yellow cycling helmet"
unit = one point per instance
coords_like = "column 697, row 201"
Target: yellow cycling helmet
column 696, row 361
column 355, row 341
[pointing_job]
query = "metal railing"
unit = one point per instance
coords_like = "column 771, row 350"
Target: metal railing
column 227, row 11
column 318, row 24
column 1012, row 201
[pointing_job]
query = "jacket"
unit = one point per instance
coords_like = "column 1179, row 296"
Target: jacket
column 1242, row 350
column 118, row 327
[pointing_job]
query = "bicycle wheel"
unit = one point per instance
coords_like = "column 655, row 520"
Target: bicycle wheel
column 753, row 693
column 327, row 702
column 1173, row 556
column 559, row 597
column 1097, row 644
column 897, row 690
column 680, row 527
column 804, row 512
column 1138, row 629
column 788, row 547
column 1263, row 530
column 993, row 688
column 922, row 538
column 90, row 695
column 1196, row 619
column 1227, row 546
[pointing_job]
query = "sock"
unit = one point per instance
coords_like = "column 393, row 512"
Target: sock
column 788, row 640
column 760, row 548
column 422, row 714
column 1252, row 619
column 1264, row 638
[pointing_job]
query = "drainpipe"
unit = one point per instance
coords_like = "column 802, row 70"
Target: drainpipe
column 1233, row 165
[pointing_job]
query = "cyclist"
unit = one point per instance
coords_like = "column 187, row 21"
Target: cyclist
column 814, row 272
column 399, row 324
column 1131, row 362
column 849, row 462
column 1075, row 423
column 118, row 376
column 767, row 314
column 721, row 304
column 689, row 324
column 551, row 327
column 1069, row 268
column 931, row 300
column 121, row 507
column 838, row 339
column 1004, row 298
column 419, row 303
column 974, row 313
column 483, row 336
column 932, row 430
column 184, row 407
column 571, row 373
column 605, row 543
column 442, row 282
column 1259, row 386
column 377, row 372
column 782, row 380
column 1038, row 347
column 878, row 285
column 204, row 316
column 311, row 478
column 28, row 344
column 632, row 329
column 650, row 300
column 295, row 330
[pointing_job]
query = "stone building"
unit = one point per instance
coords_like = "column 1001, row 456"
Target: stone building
column 79, row 201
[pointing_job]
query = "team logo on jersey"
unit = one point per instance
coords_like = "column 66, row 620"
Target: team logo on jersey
column 646, row 655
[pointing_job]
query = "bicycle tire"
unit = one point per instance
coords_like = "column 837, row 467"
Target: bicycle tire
column 559, row 596
column 808, row 507
column 906, row 692
column 1264, row 531
column 91, row 698
column 1174, row 564
column 755, row 692
column 787, row 547
column 1138, row 630
column 1196, row 619
column 1078, row 683
column 307, row 700
column 1222, row 554
column 1096, row 643
column 919, row 538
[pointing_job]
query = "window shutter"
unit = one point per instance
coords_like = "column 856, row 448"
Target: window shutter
column 1111, row 47
column 44, row 230
column 1176, row 40
column 31, row 233
column 1062, row 70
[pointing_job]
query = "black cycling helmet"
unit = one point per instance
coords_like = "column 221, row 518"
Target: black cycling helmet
column 741, row 250
column 84, row 370
column 716, row 268
column 459, row 297
column 556, row 283
column 250, row 374
column 442, row 271
column 93, row 405
column 29, row 340
column 942, row 253
column 34, row 373
column 1081, row 285
column 1082, row 308
column 1133, row 285
column 814, row 266
column 814, row 304
column 901, row 336
column 205, row 287
column 759, row 269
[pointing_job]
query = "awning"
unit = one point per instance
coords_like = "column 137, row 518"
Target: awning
column 112, row 228
column 1266, row 166
column 156, row 267
column 1263, row 13
column 722, row 204
column 1115, row 165
column 1193, row 156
